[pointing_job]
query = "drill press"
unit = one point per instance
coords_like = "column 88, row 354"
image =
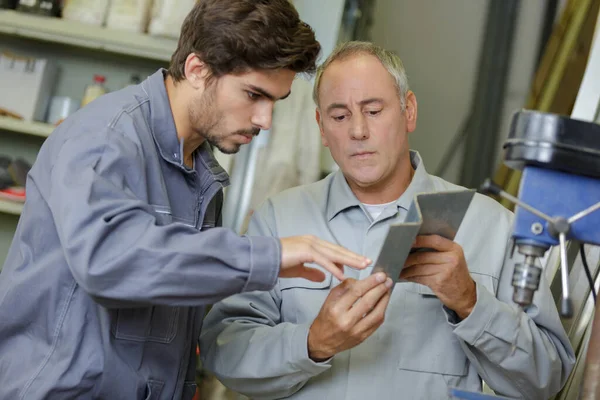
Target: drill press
column 559, row 194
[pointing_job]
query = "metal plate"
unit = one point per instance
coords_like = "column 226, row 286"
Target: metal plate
column 438, row 213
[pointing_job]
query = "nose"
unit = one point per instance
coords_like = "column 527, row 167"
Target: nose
column 263, row 116
column 358, row 128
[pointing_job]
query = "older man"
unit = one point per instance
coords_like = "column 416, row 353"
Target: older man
column 451, row 325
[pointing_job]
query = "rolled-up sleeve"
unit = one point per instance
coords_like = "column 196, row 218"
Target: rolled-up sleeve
column 121, row 256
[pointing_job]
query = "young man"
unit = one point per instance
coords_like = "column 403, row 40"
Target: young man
column 451, row 325
column 117, row 249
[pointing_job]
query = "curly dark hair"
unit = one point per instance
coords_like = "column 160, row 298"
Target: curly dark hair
column 234, row 36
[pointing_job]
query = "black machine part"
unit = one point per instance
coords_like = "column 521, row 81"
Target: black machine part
column 554, row 142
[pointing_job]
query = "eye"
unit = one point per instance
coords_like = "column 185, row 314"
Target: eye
column 253, row 95
column 373, row 112
column 338, row 118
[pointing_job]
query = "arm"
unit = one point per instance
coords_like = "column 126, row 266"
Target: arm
column 248, row 347
column 543, row 358
column 486, row 324
column 121, row 257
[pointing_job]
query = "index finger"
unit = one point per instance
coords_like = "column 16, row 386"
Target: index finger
column 435, row 242
column 340, row 255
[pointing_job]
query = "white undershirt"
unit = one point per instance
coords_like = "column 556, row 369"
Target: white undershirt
column 376, row 209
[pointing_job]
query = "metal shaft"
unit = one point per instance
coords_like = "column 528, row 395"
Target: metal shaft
column 563, row 266
column 584, row 213
column 566, row 306
column 490, row 187
column 526, row 206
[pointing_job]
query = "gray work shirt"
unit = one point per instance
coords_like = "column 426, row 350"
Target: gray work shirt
column 114, row 256
column 256, row 343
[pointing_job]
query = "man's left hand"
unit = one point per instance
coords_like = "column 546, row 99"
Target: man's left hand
column 444, row 271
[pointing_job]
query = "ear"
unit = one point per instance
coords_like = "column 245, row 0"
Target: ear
column 410, row 113
column 319, row 122
column 196, row 71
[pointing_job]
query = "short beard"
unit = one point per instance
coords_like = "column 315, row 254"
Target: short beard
column 205, row 120
column 231, row 148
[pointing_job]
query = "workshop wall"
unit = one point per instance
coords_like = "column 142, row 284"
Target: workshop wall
column 439, row 42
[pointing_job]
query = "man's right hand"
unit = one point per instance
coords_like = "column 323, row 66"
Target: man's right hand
column 352, row 312
column 299, row 250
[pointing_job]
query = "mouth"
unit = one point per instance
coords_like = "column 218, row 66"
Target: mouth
column 362, row 154
column 244, row 139
column 247, row 136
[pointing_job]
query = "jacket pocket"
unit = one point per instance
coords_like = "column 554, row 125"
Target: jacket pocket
column 301, row 283
column 438, row 350
column 487, row 281
column 301, row 299
column 153, row 324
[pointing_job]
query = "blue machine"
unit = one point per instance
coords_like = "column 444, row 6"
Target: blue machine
column 559, row 194
column 559, row 198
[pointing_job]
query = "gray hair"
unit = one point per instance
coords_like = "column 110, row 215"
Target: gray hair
column 390, row 60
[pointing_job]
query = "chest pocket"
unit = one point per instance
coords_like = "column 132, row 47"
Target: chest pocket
column 301, row 299
column 443, row 355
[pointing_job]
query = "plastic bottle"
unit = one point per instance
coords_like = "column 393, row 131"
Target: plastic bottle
column 94, row 90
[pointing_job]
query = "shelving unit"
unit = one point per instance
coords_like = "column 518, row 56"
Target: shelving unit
column 10, row 207
column 28, row 128
column 78, row 48
column 56, row 30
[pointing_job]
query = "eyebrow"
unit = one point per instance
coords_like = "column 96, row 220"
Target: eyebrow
column 364, row 102
column 267, row 94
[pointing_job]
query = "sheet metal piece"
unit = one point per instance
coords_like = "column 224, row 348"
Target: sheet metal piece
column 430, row 213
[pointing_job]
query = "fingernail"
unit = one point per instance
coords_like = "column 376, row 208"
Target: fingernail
column 380, row 276
column 369, row 261
column 389, row 283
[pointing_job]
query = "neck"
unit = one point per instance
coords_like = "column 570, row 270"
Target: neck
column 386, row 190
column 179, row 100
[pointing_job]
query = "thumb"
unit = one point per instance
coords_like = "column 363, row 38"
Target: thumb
column 302, row 271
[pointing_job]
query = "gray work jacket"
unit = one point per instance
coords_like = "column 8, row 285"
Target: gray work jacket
column 256, row 343
column 115, row 254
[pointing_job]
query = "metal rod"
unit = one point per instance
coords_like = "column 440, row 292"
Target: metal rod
column 564, row 273
column 584, row 213
column 566, row 305
column 525, row 206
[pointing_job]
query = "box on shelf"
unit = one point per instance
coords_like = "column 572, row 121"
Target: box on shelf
column 48, row 8
column 129, row 15
column 26, row 86
column 91, row 12
column 168, row 16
